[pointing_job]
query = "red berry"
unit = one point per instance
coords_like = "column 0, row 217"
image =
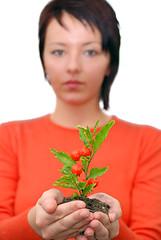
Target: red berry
column 75, row 155
column 76, row 169
column 92, row 181
column 85, row 151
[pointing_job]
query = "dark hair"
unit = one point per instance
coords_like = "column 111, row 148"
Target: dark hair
column 94, row 12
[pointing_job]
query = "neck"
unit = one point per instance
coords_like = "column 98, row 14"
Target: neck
column 73, row 115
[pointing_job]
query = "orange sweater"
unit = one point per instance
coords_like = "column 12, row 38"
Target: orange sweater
column 28, row 168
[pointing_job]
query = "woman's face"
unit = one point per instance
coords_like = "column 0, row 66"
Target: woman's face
column 74, row 60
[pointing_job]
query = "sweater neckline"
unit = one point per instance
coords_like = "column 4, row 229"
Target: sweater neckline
column 61, row 127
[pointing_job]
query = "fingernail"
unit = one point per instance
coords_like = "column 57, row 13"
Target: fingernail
column 84, row 214
column 90, row 232
column 90, row 215
column 112, row 216
column 89, row 218
column 80, row 205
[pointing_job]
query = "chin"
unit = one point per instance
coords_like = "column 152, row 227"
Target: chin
column 76, row 102
column 73, row 101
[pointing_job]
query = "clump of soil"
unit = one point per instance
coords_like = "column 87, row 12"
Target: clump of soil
column 93, row 204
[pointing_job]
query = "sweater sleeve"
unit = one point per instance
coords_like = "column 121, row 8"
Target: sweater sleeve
column 18, row 228
column 15, row 227
column 145, row 217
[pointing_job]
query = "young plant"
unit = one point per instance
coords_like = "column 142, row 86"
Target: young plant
column 79, row 161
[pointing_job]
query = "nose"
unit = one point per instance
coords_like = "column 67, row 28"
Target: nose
column 74, row 64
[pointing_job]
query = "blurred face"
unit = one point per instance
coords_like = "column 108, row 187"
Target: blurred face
column 74, row 60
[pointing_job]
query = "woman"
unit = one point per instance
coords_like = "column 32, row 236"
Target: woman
column 79, row 49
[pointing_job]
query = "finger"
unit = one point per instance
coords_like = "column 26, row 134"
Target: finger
column 89, row 233
column 84, row 222
column 72, row 233
column 75, row 221
column 50, row 199
column 113, row 228
column 67, row 208
column 63, row 235
column 68, row 225
column 81, row 237
column 45, row 218
column 100, row 231
column 103, row 218
column 115, row 211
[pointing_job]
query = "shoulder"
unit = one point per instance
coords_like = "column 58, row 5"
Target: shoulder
column 129, row 126
column 22, row 125
column 138, row 132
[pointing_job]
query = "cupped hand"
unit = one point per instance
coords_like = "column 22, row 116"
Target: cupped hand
column 52, row 220
column 103, row 226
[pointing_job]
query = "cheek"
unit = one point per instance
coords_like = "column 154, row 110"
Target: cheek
column 49, row 68
column 55, row 74
column 100, row 66
column 56, row 87
column 97, row 75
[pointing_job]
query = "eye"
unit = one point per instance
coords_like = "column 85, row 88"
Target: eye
column 91, row 52
column 58, row 52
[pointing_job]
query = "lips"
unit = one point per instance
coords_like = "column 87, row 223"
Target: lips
column 73, row 84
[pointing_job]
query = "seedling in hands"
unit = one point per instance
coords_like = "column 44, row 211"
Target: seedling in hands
column 79, row 161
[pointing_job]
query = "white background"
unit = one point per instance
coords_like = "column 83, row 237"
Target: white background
column 135, row 94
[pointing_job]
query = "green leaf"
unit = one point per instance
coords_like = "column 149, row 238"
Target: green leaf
column 89, row 135
column 75, row 195
column 83, row 137
column 95, row 127
column 97, row 172
column 84, row 162
column 63, row 179
column 63, row 157
column 66, row 185
column 102, row 134
column 88, row 189
column 66, row 170
column 75, row 178
column 82, row 185
column 82, row 128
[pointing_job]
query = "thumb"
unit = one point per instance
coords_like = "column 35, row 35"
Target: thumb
column 50, row 199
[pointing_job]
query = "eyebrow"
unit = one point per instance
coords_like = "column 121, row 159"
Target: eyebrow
column 84, row 44
column 57, row 43
column 92, row 42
